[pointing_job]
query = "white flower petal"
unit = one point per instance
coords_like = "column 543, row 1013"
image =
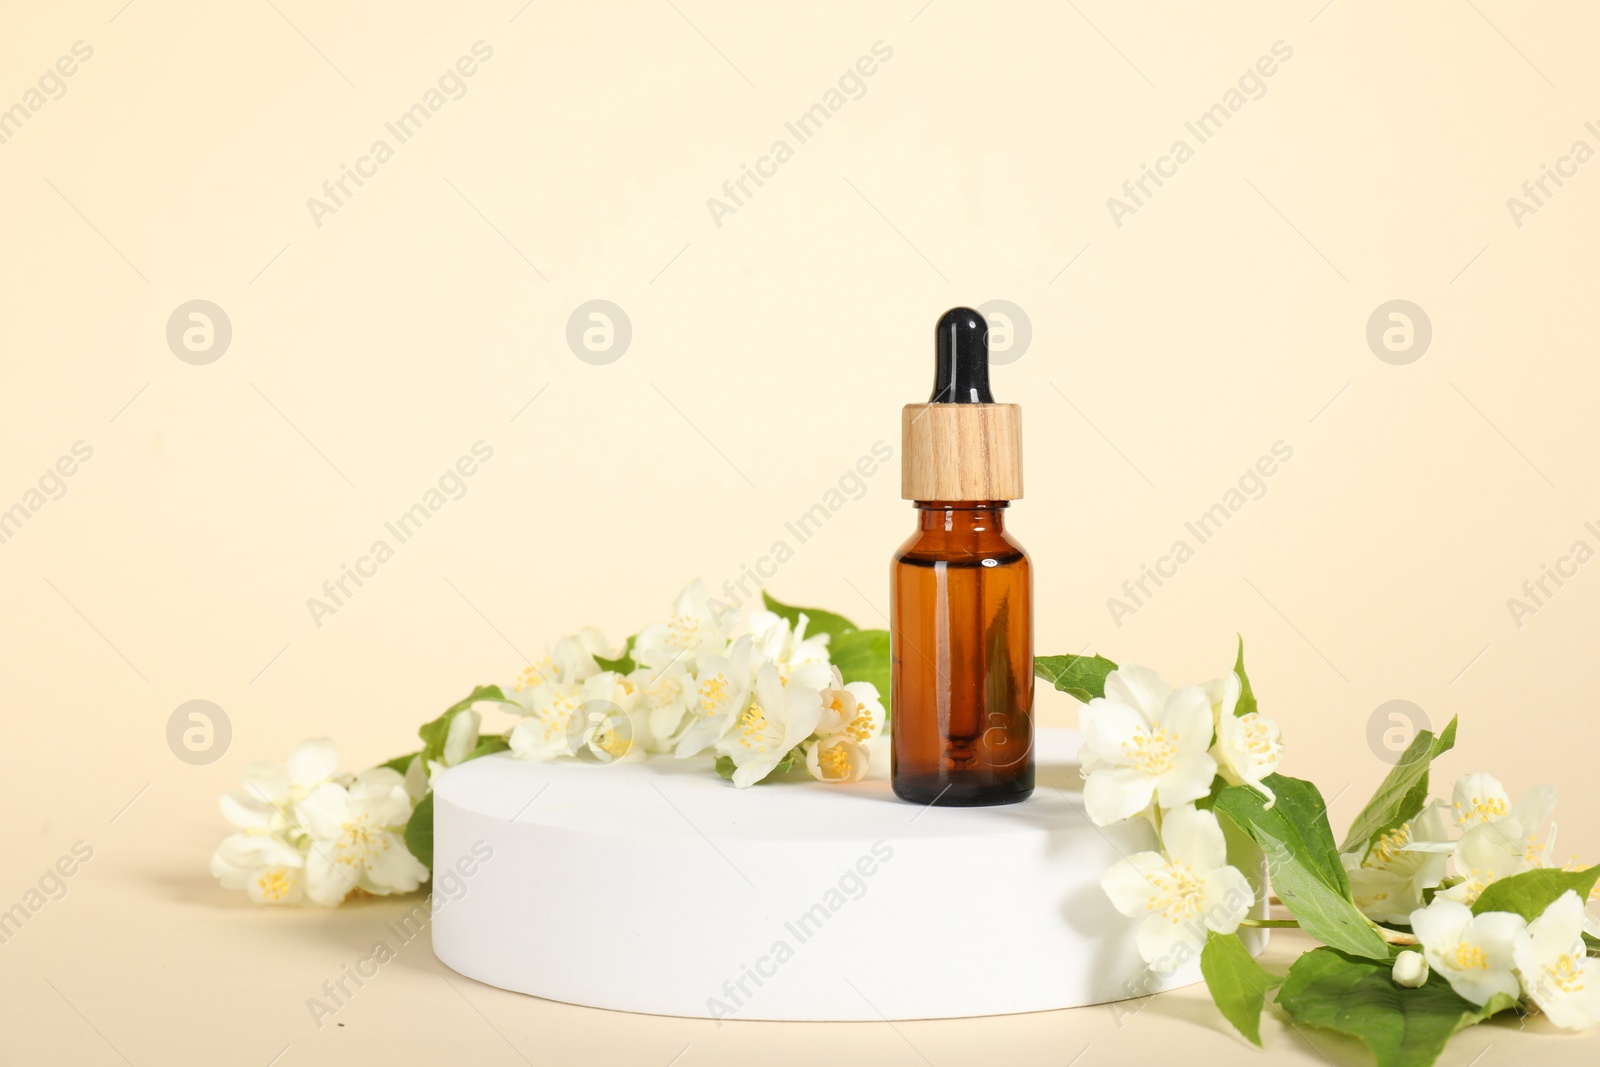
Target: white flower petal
column 1384, row 895
column 718, row 696
column 803, row 707
column 1223, row 694
column 1194, row 837
column 1107, row 727
column 1482, row 987
column 1535, row 807
column 1167, row 944
column 266, row 780
column 462, row 737
column 701, row 735
column 1579, row 1008
column 1487, row 853
column 1138, row 687
column 1428, row 826
column 1496, row 933
column 864, row 692
column 247, row 812
column 313, row 762
column 1558, row 976
column 1189, row 779
column 1551, row 944
column 391, row 868
column 239, row 856
column 1477, row 798
column 1440, row 923
column 543, row 736
column 419, row 779
column 838, row 708
column 1130, row 883
column 326, row 883
column 1560, row 927
column 755, row 769
column 325, row 811
column 1250, row 747
column 1187, row 717
column 810, row 675
column 1473, row 953
column 838, row 759
column 381, row 794
column 574, row 655
column 281, row 884
column 1410, row 970
column 1228, row 897
column 1112, row 794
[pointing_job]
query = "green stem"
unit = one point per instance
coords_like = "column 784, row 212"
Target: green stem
column 1397, row 937
column 1393, row 937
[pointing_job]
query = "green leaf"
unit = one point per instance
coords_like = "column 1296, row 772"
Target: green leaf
column 1209, row 801
column 1301, row 812
column 817, row 620
column 1247, row 695
column 488, row 745
column 401, row 763
column 1403, row 1027
column 863, row 656
column 791, row 759
column 1081, row 677
column 1403, row 792
column 433, row 733
column 1529, row 893
column 623, row 664
column 1301, row 859
column 419, row 831
column 1237, row 982
column 725, row 766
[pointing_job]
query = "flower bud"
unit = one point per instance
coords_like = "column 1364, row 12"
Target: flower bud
column 1410, row 969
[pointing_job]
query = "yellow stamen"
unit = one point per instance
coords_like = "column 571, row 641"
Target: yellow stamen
column 834, row 763
column 1387, row 850
column 1180, row 892
column 1565, row 974
column 712, row 692
column 610, row 741
column 1257, row 739
column 359, row 840
column 275, row 884
column 535, row 675
column 1152, row 752
column 1480, row 809
column 752, row 728
column 683, row 631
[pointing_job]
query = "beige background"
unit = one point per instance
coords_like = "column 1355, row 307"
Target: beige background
column 768, row 354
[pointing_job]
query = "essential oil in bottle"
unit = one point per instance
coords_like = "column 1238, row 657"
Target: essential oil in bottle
column 961, row 590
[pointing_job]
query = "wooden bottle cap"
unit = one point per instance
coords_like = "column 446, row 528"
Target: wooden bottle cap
column 961, row 452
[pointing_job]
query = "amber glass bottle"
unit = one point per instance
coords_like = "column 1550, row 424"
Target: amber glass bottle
column 962, row 592
column 963, row 658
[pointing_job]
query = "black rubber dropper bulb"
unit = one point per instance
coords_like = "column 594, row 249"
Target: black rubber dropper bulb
column 962, row 374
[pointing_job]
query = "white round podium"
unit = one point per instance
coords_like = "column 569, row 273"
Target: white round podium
column 658, row 887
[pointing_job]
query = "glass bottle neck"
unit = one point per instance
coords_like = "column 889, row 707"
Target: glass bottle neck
column 961, row 515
